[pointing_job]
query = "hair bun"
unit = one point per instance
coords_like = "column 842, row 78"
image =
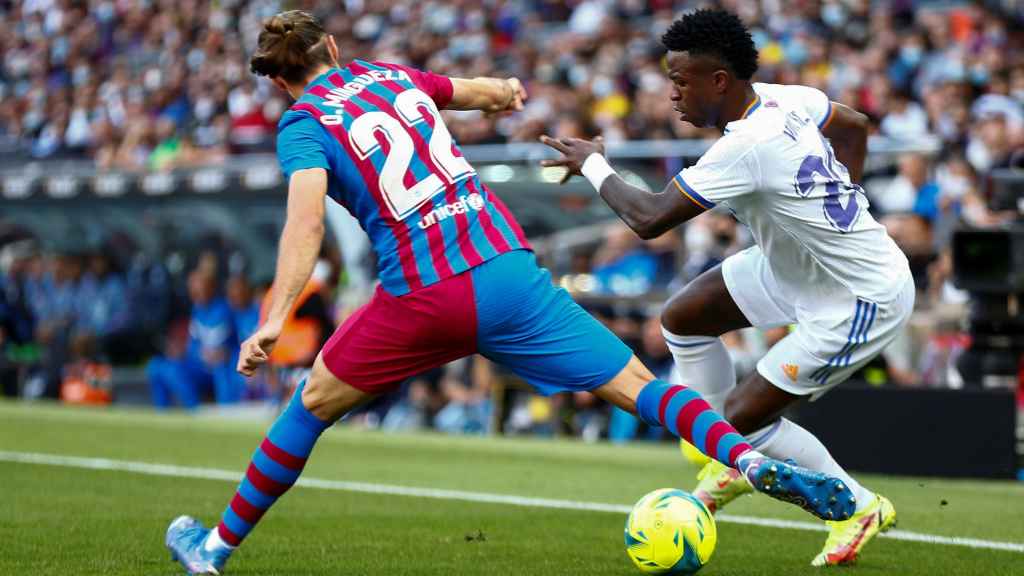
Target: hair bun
column 291, row 43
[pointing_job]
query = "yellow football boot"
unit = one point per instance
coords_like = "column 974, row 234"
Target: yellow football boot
column 846, row 538
column 718, row 485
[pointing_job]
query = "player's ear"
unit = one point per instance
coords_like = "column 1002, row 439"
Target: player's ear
column 720, row 79
column 332, row 49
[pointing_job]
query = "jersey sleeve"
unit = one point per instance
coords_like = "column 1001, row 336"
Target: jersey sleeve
column 814, row 101
column 438, row 87
column 301, row 144
column 727, row 170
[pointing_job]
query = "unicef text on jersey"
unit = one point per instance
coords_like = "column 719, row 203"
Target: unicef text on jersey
column 473, row 202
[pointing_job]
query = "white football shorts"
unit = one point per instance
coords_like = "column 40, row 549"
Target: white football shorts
column 836, row 332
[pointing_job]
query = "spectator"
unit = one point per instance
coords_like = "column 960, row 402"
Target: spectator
column 245, row 310
column 905, row 119
column 913, row 190
column 622, row 265
column 103, row 308
column 245, row 314
column 465, row 386
column 709, row 240
column 206, row 361
column 16, row 322
column 54, row 298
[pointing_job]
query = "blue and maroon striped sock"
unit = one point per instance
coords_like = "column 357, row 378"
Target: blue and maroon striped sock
column 275, row 466
column 687, row 415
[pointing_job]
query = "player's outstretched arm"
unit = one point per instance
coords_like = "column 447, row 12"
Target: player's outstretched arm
column 296, row 255
column 491, row 95
column 848, row 131
column 649, row 214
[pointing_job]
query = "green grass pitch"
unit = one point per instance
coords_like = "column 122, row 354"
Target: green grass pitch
column 75, row 521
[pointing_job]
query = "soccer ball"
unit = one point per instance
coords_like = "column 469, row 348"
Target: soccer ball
column 670, row 531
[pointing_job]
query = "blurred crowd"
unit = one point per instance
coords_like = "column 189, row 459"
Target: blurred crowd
column 73, row 320
column 154, row 84
column 162, row 84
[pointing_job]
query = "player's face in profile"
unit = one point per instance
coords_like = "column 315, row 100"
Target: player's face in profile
column 694, row 94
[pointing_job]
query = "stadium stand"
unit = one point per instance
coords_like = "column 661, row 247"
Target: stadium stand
column 146, row 95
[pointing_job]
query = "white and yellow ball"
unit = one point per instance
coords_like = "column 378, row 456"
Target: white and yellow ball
column 670, row 531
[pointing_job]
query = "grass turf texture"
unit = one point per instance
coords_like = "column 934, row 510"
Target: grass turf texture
column 56, row 520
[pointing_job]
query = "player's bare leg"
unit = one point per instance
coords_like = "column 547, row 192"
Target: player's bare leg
column 276, row 465
column 683, row 412
column 703, row 308
column 756, row 403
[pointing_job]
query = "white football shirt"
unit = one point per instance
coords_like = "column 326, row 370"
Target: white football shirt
column 777, row 173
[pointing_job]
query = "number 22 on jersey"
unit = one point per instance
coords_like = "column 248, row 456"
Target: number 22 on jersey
column 404, row 200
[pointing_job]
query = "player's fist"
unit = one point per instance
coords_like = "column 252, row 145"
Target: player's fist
column 574, row 152
column 518, row 95
column 255, row 351
column 509, row 98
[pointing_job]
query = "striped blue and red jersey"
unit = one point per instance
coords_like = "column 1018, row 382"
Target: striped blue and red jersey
column 376, row 129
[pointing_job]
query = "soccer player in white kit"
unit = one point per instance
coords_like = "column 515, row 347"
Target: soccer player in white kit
column 786, row 166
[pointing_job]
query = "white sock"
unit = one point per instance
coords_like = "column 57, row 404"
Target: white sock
column 786, row 439
column 704, row 365
column 213, row 541
column 744, row 462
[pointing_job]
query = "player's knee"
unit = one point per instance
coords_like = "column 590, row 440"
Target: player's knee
column 677, row 316
column 687, row 314
column 328, row 397
column 325, row 398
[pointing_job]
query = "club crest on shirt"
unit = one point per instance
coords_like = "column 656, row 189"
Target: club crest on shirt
column 791, row 370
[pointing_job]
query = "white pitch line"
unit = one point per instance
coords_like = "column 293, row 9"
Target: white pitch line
column 482, row 497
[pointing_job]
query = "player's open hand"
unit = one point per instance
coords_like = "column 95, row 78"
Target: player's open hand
column 255, row 351
column 574, row 153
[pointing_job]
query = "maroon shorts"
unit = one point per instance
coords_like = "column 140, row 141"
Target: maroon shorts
column 391, row 338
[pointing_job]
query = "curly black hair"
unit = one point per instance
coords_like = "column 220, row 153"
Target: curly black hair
column 714, row 33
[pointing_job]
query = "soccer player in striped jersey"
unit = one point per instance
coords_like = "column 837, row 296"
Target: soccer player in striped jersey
column 820, row 260
column 457, row 278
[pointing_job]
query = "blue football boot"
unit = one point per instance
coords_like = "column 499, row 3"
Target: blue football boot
column 185, row 539
column 826, row 497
